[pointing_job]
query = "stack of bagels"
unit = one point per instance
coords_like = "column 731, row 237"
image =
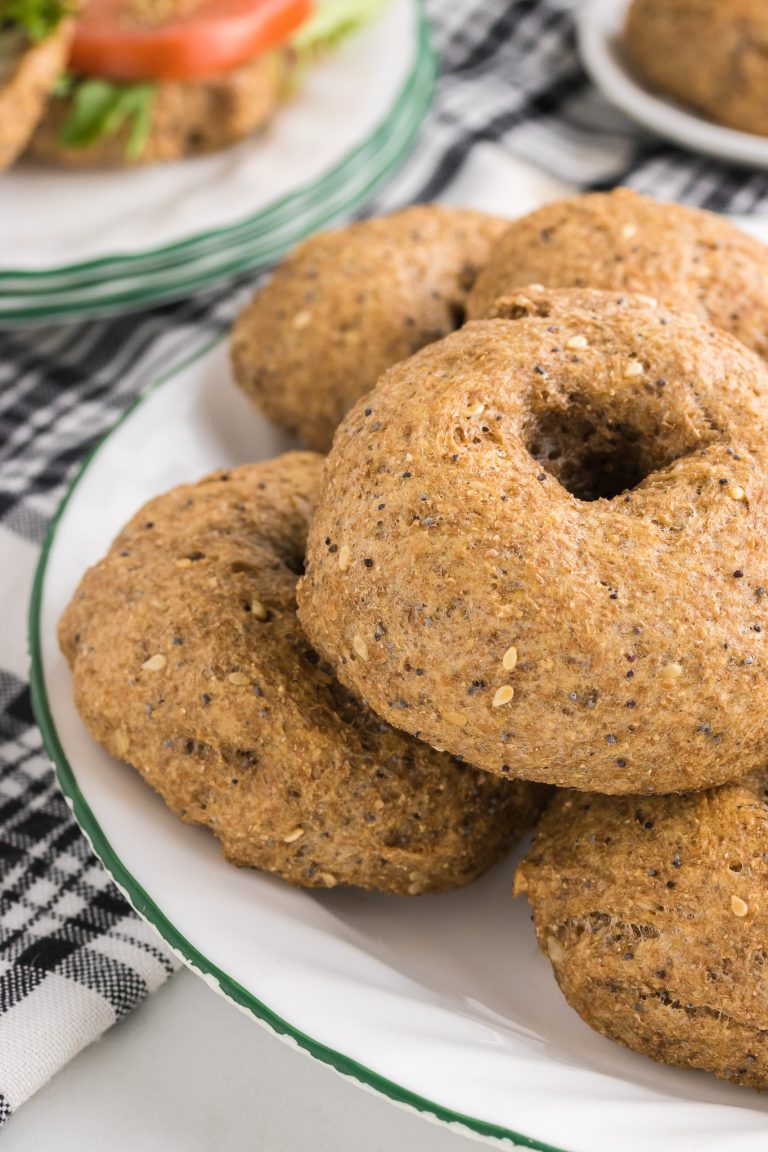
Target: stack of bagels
column 529, row 582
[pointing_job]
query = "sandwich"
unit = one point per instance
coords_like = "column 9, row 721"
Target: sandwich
column 144, row 81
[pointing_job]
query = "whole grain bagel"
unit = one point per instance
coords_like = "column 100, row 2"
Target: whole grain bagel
column 686, row 258
column 188, row 663
column 652, row 912
column 542, row 544
column 347, row 304
column 711, row 55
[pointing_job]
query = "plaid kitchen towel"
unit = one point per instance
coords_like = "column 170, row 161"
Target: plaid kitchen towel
column 73, row 956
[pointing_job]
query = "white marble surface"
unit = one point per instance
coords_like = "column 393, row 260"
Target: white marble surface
column 187, row 1072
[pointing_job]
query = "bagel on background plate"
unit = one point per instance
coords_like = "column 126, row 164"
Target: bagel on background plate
column 711, row 55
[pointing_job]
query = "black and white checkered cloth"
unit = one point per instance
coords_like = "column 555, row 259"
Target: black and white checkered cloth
column 73, row 956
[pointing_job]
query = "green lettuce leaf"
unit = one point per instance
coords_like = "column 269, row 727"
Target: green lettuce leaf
column 37, row 18
column 100, row 108
column 64, row 85
column 332, row 20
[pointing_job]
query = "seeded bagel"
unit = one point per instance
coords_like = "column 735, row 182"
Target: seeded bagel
column 686, row 258
column 188, row 663
column 542, row 544
column 348, row 304
column 711, row 55
column 652, row 913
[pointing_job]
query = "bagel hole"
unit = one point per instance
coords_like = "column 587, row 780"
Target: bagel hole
column 294, row 562
column 458, row 314
column 591, row 459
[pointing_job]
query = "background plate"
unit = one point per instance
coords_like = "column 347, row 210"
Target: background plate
column 600, row 31
column 116, row 215
column 441, row 1002
column 104, row 287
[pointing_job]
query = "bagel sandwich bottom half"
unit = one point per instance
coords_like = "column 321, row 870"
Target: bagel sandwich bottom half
column 145, row 83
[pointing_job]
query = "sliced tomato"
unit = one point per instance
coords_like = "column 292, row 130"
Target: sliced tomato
column 114, row 41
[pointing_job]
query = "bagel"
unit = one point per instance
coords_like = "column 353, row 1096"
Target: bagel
column 652, row 913
column 348, row 304
column 711, row 56
column 686, row 258
column 542, row 544
column 28, row 71
column 188, row 663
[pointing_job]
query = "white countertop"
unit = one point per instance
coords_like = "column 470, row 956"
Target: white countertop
column 188, row 1072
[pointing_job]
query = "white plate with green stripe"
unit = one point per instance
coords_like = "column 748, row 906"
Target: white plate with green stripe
column 442, row 1003
column 362, row 101
column 102, row 289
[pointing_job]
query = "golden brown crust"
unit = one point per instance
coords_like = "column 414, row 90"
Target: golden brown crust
column 622, row 241
column 459, row 533
column 25, row 89
column 188, row 662
column 653, row 914
column 188, row 118
column 348, row 304
column 711, row 55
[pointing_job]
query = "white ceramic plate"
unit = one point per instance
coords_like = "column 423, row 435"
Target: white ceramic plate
column 600, row 31
column 442, row 1003
column 113, row 215
column 101, row 288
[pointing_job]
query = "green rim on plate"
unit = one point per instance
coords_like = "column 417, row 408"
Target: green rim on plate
column 338, row 197
column 408, row 101
column 135, row 292
column 143, row 902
